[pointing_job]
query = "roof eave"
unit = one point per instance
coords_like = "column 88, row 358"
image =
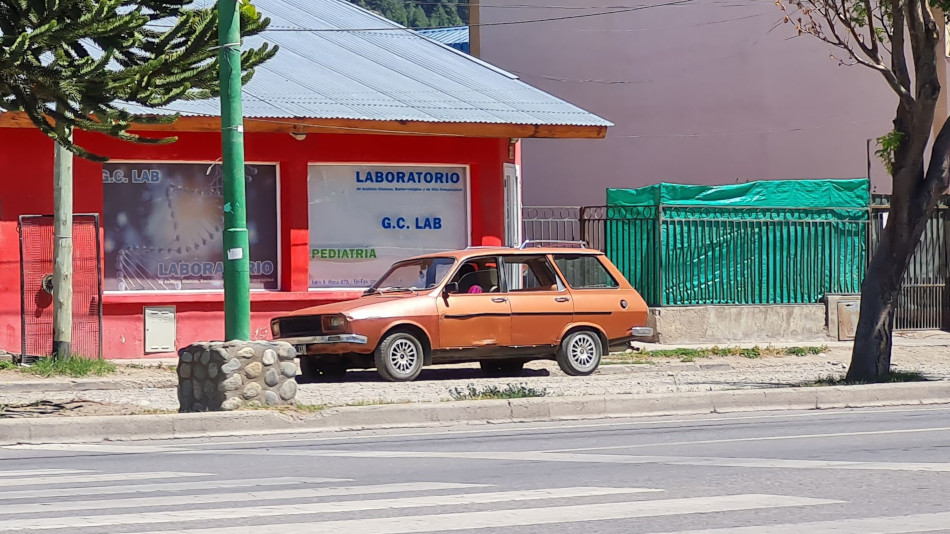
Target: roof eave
column 359, row 126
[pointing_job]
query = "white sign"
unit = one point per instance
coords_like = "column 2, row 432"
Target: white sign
column 365, row 217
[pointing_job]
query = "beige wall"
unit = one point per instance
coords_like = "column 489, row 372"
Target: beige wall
column 708, row 92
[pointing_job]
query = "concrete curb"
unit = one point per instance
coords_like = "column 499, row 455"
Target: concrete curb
column 166, row 426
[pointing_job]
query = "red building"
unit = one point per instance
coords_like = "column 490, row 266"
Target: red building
column 361, row 148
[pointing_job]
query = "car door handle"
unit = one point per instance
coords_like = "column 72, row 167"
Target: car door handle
column 499, row 299
column 562, row 299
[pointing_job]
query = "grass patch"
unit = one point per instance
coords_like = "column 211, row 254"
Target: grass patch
column 889, row 378
column 76, row 367
column 311, row 408
column 510, row 391
column 4, row 365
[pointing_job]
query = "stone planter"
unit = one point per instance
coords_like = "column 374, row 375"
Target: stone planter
column 218, row 375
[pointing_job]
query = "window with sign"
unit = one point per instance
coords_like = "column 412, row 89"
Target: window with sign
column 163, row 225
column 364, row 218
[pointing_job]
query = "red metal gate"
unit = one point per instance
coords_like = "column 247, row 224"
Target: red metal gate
column 36, row 301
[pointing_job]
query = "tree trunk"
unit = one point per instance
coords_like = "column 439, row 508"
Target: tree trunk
column 871, row 356
column 62, row 248
column 914, row 199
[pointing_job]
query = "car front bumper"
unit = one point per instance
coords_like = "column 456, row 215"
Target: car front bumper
column 300, row 343
column 641, row 331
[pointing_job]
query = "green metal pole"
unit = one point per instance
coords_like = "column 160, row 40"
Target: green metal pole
column 237, row 282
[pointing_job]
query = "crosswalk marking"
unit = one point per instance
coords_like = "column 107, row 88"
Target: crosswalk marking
column 529, row 516
column 317, row 508
column 106, row 477
column 164, row 486
column 534, row 456
column 40, row 472
column 231, row 496
column 878, row 525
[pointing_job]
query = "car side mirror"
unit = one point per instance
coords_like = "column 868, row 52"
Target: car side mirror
column 451, row 287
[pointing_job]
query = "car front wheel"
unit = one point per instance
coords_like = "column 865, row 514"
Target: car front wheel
column 580, row 353
column 399, row 357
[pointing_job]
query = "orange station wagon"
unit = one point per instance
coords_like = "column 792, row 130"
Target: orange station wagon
column 501, row 307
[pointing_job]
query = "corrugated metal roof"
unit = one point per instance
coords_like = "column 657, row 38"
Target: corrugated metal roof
column 447, row 36
column 394, row 75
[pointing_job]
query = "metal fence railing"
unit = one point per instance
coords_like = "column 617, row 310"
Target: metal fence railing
column 743, row 257
column 551, row 223
column 922, row 302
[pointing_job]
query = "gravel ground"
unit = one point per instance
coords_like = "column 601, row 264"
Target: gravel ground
column 662, row 375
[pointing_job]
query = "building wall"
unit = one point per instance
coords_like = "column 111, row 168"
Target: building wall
column 706, row 92
column 26, row 167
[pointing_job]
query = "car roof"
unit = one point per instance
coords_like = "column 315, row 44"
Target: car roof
column 472, row 252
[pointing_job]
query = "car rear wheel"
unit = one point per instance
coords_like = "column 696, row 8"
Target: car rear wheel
column 399, row 357
column 502, row 367
column 580, row 353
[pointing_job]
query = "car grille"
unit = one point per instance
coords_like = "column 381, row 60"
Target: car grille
column 301, row 326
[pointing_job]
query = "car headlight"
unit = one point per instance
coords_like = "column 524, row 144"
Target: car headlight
column 275, row 328
column 334, row 323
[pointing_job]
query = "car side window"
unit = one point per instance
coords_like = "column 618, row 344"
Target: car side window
column 479, row 275
column 531, row 273
column 583, row 271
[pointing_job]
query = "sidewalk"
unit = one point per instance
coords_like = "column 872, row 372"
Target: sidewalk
column 140, row 400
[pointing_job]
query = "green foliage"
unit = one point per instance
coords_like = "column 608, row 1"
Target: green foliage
column 75, row 64
column 6, row 364
column 892, row 377
column 804, row 351
column 887, row 147
column 77, row 366
column 419, row 14
column 510, row 391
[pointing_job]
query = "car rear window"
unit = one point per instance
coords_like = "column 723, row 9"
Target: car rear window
column 585, row 272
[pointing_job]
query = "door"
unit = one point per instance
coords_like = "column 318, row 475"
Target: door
column 513, row 220
column 541, row 307
column 475, row 314
column 598, row 297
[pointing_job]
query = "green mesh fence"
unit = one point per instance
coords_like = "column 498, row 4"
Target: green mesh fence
column 719, row 247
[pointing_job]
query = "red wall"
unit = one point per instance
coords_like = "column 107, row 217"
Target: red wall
column 26, row 166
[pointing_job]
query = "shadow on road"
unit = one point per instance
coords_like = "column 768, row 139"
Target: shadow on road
column 431, row 375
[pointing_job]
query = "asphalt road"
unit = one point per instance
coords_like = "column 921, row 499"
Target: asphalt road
column 816, row 472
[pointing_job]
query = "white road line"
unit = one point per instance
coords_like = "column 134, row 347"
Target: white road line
column 230, row 496
column 535, row 456
column 41, row 472
column 163, row 486
column 760, row 438
column 93, row 447
column 529, row 516
column 645, row 421
column 878, row 525
column 104, row 477
column 75, row 522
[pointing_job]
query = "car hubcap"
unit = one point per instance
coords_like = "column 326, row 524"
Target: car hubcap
column 583, row 351
column 403, row 355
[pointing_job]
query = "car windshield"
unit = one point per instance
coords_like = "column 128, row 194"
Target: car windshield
column 414, row 275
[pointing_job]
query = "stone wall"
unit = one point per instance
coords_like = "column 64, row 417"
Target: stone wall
column 229, row 375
